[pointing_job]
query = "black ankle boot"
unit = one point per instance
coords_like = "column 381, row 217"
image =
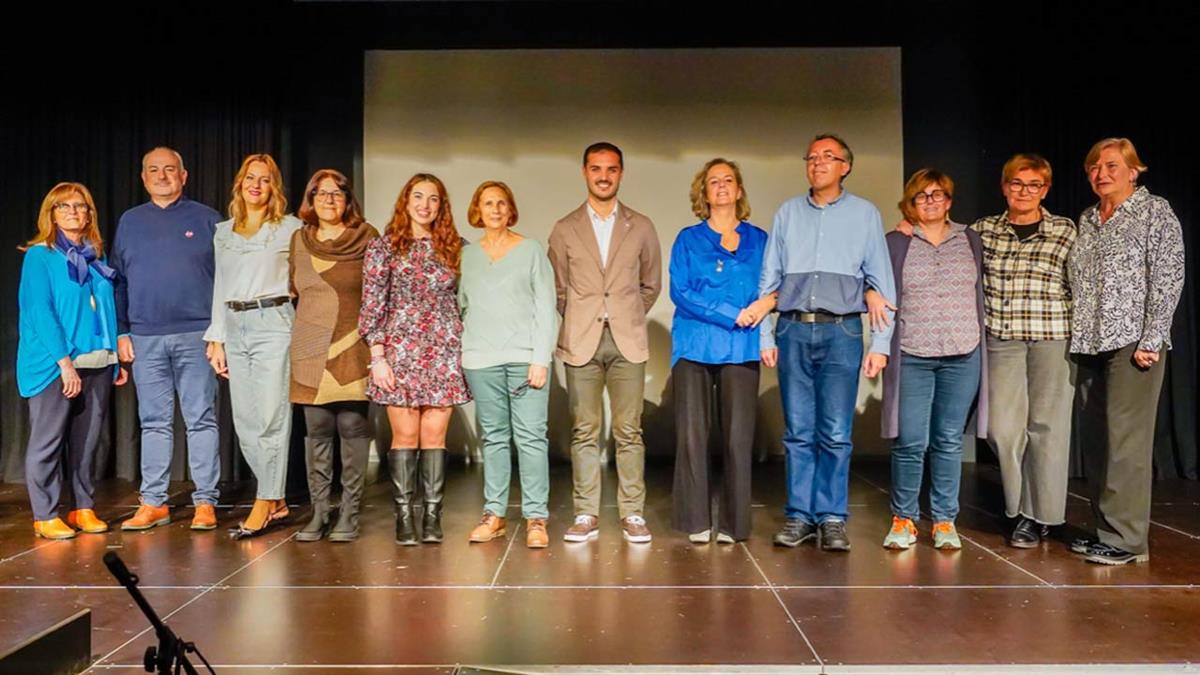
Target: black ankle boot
column 403, row 466
column 433, row 479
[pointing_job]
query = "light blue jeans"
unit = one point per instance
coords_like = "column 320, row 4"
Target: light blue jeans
column 164, row 365
column 256, row 351
column 936, row 396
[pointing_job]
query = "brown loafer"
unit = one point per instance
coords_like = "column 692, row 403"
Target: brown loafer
column 54, row 528
column 205, row 517
column 85, row 520
column 490, row 526
column 148, row 516
column 535, row 533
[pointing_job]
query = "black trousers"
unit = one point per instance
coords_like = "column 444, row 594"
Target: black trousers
column 733, row 387
column 54, row 418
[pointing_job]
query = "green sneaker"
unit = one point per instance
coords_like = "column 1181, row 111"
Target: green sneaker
column 945, row 536
column 902, row 535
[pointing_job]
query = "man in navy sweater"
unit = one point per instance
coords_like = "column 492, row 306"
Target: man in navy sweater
column 164, row 253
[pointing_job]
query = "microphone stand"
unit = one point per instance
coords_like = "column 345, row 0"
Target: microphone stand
column 171, row 654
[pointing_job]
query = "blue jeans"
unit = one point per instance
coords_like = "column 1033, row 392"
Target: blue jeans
column 162, row 366
column 936, row 396
column 818, row 382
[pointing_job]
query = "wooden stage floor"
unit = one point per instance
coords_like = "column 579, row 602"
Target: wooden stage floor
column 274, row 603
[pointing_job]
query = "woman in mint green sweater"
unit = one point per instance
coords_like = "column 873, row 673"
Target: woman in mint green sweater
column 509, row 329
column 66, row 357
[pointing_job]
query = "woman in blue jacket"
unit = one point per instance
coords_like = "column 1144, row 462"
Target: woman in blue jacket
column 714, row 270
column 66, row 357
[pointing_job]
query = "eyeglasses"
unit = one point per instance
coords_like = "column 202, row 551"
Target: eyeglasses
column 827, row 158
column 329, row 195
column 1015, row 185
column 72, row 206
column 937, row 197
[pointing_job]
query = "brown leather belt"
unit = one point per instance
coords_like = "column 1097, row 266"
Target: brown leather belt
column 239, row 306
column 816, row 317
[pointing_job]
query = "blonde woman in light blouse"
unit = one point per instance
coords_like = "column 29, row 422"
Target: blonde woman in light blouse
column 251, row 330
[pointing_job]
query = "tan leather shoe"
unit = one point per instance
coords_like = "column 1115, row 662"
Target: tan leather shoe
column 205, row 517
column 490, row 526
column 148, row 516
column 85, row 520
column 584, row 528
column 54, row 528
column 535, row 533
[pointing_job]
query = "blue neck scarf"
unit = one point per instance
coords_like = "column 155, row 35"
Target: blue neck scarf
column 81, row 260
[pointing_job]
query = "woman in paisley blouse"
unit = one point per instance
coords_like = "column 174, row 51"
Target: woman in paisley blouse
column 410, row 319
column 251, row 329
column 1126, row 274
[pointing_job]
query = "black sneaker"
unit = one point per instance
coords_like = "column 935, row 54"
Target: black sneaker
column 794, row 533
column 833, row 536
column 1081, row 545
column 1028, row 533
column 1111, row 555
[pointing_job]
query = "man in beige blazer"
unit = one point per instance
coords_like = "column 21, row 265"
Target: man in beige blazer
column 608, row 273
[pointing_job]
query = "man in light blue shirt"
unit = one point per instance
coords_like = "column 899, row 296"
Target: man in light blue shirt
column 825, row 249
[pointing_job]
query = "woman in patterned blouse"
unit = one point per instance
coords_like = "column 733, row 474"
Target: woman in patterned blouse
column 938, row 368
column 1126, row 278
column 410, row 319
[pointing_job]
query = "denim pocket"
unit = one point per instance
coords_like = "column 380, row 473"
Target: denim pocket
column 850, row 326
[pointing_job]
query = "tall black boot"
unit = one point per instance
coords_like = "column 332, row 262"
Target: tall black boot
column 433, row 479
column 354, row 475
column 318, row 456
column 403, row 466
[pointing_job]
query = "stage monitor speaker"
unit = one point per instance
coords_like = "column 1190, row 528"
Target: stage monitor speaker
column 65, row 647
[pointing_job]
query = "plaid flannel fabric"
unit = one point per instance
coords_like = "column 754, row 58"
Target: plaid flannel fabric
column 1026, row 293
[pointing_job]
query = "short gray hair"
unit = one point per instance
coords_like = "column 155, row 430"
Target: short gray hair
column 173, row 151
column 840, row 141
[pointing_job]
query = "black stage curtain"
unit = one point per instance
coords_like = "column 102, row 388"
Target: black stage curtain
column 220, row 81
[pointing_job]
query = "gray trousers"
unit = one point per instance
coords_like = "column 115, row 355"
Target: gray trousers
column 1030, row 390
column 54, row 418
column 1116, row 407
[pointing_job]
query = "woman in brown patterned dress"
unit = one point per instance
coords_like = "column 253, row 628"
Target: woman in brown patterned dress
column 410, row 319
column 329, row 358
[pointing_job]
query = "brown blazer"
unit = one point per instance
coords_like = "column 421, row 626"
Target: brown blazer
column 626, row 286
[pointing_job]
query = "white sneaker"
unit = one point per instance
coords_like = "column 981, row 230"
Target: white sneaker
column 700, row 537
column 723, row 538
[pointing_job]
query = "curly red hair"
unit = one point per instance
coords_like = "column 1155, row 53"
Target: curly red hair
column 447, row 244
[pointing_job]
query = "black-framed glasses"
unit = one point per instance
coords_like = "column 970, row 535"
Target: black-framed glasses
column 1035, row 187
column 81, row 207
column 329, row 195
column 937, row 197
column 825, row 158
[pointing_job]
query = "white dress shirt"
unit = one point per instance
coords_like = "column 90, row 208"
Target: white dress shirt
column 603, row 227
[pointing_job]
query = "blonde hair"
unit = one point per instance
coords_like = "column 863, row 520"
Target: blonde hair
column 916, row 184
column 276, row 206
column 1022, row 161
column 699, row 194
column 48, row 229
column 475, row 218
column 1128, row 153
